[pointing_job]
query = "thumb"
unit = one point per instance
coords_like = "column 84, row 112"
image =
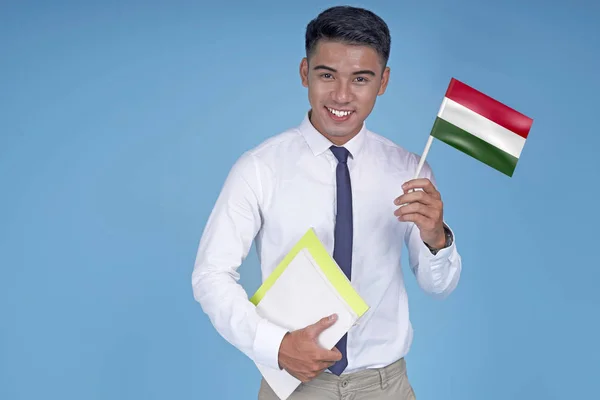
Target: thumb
column 323, row 324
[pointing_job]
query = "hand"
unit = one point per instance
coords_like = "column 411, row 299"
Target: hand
column 301, row 355
column 425, row 209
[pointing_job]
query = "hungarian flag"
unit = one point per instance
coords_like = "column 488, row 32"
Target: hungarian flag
column 481, row 127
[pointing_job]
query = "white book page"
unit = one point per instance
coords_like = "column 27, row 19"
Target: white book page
column 301, row 296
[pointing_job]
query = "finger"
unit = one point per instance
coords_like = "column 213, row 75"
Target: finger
column 433, row 210
column 329, row 356
column 420, row 196
column 418, row 208
column 324, row 323
column 423, row 223
column 325, row 364
column 337, row 355
column 421, row 183
column 309, row 376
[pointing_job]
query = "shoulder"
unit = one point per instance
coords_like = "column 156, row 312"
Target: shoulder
column 396, row 155
column 273, row 146
column 263, row 157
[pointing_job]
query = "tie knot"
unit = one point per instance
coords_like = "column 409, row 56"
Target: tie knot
column 341, row 153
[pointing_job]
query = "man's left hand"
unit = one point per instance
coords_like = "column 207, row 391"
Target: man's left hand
column 425, row 208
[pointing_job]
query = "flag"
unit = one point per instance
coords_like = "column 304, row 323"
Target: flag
column 481, row 127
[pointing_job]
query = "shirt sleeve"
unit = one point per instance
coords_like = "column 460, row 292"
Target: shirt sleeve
column 436, row 274
column 227, row 238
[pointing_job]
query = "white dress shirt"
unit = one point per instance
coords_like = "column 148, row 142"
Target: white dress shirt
column 285, row 185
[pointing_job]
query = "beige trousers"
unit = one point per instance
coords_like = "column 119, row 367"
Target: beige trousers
column 390, row 382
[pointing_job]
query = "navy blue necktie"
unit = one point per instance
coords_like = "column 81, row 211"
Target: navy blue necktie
column 342, row 250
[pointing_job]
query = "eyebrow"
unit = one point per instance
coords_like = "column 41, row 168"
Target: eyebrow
column 361, row 72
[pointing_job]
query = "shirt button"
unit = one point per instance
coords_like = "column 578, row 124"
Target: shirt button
column 344, row 383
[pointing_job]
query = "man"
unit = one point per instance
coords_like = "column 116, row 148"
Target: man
column 355, row 188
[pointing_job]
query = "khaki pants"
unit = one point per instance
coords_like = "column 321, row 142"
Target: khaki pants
column 390, row 382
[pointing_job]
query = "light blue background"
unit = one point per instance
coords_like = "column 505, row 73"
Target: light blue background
column 120, row 120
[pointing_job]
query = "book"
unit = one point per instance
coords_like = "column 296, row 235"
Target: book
column 306, row 286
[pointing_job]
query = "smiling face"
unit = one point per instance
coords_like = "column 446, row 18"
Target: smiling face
column 343, row 83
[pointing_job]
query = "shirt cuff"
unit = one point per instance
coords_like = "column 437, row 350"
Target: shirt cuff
column 267, row 342
column 443, row 253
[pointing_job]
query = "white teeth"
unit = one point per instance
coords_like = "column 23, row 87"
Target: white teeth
column 339, row 113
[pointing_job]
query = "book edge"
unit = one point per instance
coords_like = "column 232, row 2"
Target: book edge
column 328, row 267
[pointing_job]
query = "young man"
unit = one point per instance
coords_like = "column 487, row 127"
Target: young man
column 333, row 174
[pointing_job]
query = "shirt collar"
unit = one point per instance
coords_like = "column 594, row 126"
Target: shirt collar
column 320, row 144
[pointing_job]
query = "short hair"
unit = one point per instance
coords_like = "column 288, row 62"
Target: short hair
column 349, row 25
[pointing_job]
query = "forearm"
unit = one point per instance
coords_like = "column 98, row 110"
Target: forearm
column 234, row 317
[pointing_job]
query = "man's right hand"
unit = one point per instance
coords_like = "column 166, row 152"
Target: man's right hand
column 301, row 355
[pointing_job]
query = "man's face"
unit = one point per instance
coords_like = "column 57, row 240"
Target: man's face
column 343, row 83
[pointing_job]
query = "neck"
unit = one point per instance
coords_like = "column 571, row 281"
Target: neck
column 339, row 140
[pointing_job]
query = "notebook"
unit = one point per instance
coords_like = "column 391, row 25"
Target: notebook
column 305, row 287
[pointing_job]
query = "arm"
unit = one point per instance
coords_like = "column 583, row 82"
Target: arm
column 230, row 230
column 437, row 271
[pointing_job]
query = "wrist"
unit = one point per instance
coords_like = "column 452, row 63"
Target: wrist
column 445, row 241
column 281, row 350
column 439, row 241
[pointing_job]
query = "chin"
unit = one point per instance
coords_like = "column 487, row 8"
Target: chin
column 336, row 131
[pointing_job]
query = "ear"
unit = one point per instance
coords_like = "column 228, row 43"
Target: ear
column 304, row 72
column 385, row 78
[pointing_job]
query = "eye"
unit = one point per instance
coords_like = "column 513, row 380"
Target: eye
column 326, row 75
column 362, row 79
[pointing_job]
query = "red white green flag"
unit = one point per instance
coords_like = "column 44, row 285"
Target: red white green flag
column 481, row 127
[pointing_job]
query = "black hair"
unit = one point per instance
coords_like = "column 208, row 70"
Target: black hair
column 349, row 25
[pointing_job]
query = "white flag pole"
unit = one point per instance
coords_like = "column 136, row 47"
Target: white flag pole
column 422, row 160
column 428, row 144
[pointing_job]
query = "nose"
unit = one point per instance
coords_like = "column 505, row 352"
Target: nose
column 342, row 92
